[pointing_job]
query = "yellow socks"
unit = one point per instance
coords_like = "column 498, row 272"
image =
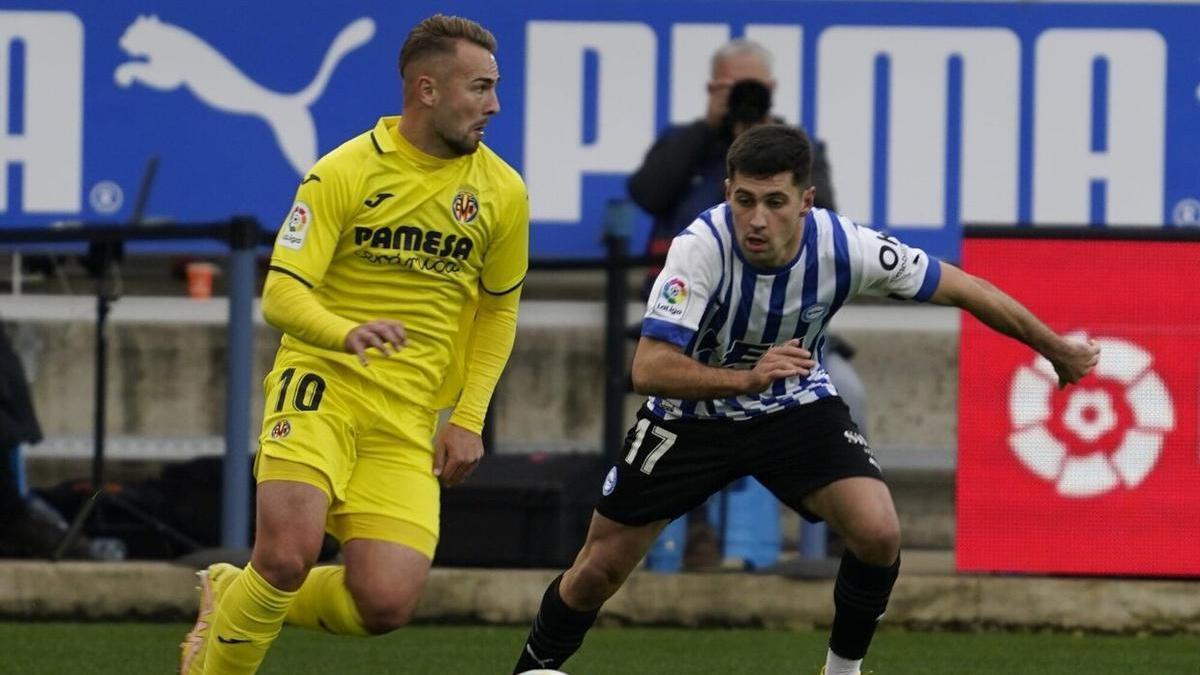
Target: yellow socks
column 248, row 619
column 252, row 612
column 324, row 603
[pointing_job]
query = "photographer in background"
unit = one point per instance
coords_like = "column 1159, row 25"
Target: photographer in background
column 683, row 175
column 684, row 172
column 29, row 526
column 22, row 533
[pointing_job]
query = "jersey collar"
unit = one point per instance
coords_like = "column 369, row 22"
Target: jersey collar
column 387, row 139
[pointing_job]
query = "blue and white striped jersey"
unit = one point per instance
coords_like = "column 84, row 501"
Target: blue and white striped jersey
column 723, row 311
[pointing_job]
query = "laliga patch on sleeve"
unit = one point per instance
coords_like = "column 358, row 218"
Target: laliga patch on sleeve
column 295, row 226
column 673, row 297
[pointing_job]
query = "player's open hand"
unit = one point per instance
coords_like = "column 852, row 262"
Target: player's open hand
column 781, row 362
column 386, row 335
column 456, row 453
column 1074, row 361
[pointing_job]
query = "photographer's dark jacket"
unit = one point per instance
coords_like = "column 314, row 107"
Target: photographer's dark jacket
column 683, row 174
column 18, row 424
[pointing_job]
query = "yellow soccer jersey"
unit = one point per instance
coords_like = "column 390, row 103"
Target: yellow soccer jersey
column 380, row 229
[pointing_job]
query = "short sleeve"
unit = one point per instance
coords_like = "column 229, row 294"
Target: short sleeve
column 507, row 259
column 309, row 234
column 889, row 267
column 690, row 278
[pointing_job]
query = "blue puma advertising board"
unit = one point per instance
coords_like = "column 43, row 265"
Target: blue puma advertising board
column 934, row 115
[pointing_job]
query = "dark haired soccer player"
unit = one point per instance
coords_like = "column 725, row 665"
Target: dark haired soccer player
column 730, row 356
column 395, row 280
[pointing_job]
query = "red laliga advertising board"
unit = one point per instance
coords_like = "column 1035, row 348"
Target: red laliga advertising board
column 1102, row 477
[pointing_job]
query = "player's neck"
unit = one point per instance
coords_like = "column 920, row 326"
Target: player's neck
column 420, row 135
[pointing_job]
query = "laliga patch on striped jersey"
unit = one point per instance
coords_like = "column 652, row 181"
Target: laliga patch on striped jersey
column 295, row 226
column 673, row 297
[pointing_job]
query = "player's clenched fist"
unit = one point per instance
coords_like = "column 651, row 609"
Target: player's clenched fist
column 386, row 335
column 1075, row 360
column 781, row 362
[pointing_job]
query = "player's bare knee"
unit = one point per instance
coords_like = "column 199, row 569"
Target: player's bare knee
column 283, row 563
column 384, row 604
column 596, row 579
column 877, row 543
column 384, row 613
column 380, row 620
column 283, row 569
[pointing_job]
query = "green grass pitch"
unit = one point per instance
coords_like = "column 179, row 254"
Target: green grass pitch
column 134, row 648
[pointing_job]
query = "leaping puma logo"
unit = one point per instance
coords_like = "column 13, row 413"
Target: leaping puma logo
column 174, row 57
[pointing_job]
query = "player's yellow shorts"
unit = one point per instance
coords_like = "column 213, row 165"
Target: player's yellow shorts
column 370, row 451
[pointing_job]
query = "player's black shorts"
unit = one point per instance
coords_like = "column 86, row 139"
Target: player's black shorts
column 668, row 468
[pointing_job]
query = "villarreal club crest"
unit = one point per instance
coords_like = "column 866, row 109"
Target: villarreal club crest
column 465, row 206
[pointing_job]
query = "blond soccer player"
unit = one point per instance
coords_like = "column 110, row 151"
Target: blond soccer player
column 395, row 280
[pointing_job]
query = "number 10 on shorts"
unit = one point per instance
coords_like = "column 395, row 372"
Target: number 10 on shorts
column 309, row 391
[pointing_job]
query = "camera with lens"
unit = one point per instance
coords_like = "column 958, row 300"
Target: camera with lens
column 749, row 103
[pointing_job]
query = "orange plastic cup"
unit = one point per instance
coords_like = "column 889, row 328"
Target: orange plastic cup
column 200, row 279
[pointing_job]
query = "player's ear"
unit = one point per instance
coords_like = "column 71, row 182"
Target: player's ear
column 808, row 197
column 728, row 187
column 427, row 90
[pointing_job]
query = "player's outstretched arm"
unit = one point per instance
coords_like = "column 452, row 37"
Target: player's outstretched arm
column 661, row 369
column 1001, row 312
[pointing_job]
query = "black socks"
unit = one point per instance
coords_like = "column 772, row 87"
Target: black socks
column 860, row 597
column 557, row 632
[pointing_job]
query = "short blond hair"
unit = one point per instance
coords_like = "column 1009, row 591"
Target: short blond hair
column 437, row 35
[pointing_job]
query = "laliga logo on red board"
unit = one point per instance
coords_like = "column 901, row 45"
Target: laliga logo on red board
column 1088, row 439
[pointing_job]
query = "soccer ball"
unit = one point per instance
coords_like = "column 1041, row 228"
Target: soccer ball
column 542, row 671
